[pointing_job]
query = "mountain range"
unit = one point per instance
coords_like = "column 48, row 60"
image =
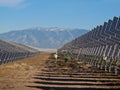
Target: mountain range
column 53, row 37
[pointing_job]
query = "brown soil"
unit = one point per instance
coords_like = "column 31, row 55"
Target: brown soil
column 15, row 76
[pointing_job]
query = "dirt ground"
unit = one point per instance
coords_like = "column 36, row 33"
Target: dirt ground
column 16, row 75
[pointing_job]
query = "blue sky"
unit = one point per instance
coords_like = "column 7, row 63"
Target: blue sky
column 85, row 14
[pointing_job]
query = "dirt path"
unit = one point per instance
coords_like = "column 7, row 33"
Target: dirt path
column 14, row 76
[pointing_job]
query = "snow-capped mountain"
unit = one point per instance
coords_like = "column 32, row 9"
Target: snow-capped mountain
column 53, row 37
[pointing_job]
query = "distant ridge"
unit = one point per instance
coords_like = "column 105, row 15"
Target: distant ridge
column 40, row 37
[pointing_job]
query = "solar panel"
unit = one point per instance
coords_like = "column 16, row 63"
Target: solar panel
column 102, row 42
column 10, row 51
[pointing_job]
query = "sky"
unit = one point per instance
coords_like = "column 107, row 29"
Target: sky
column 83, row 14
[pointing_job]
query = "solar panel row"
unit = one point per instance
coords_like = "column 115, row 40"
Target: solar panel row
column 99, row 47
column 10, row 51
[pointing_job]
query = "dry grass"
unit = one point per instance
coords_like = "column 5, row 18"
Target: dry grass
column 71, row 66
column 14, row 76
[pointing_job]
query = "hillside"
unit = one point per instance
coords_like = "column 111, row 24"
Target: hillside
column 43, row 37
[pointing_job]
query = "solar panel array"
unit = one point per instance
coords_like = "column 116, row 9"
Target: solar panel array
column 10, row 51
column 99, row 47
